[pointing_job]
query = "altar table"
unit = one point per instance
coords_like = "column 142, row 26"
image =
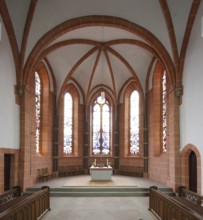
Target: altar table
column 101, row 173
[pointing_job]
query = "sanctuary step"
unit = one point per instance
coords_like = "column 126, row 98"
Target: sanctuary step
column 99, row 191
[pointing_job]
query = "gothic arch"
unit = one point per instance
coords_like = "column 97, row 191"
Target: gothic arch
column 45, row 96
column 72, row 89
column 185, row 167
column 86, row 21
column 133, row 85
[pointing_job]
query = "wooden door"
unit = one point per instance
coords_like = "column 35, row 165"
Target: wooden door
column 7, row 168
column 193, row 172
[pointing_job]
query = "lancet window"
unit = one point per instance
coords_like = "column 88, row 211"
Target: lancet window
column 101, row 127
column 38, row 109
column 134, row 123
column 164, row 111
column 68, row 124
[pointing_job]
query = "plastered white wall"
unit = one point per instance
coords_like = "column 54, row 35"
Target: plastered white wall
column 191, row 110
column 9, row 111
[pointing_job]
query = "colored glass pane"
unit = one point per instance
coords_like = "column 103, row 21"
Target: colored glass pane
column 101, row 127
column 164, row 112
column 38, row 109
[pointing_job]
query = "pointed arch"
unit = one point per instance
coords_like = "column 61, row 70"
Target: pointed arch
column 185, row 166
column 44, row 106
column 86, row 21
column 101, row 129
column 126, row 139
column 69, row 149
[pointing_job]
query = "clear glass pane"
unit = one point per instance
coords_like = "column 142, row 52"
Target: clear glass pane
column 134, row 123
column 68, row 126
column 96, row 128
column 101, row 127
column 105, row 128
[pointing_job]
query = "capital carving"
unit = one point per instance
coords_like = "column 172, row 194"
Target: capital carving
column 20, row 90
column 179, row 91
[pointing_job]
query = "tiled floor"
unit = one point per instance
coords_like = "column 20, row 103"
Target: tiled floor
column 99, row 208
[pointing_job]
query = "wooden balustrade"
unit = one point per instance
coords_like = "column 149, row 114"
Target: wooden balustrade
column 190, row 196
column 166, row 208
column 10, row 195
column 31, row 208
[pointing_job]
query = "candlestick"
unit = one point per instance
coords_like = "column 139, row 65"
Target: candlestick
column 107, row 162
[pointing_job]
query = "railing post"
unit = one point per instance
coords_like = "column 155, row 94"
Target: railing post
column 151, row 197
column 18, row 190
column 180, row 190
column 47, row 197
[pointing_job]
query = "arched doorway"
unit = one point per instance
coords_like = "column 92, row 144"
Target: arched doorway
column 192, row 172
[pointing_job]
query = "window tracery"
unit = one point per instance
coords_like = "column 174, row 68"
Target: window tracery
column 101, row 127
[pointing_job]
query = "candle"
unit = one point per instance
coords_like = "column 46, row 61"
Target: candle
column 95, row 162
column 107, row 162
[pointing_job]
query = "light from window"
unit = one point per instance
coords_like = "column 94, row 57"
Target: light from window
column 134, row 123
column 38, row 109
column 164, row 112
column 101, row 128
column 68, row 125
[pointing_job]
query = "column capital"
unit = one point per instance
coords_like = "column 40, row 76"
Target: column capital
column 20, row 90
column 179, row 91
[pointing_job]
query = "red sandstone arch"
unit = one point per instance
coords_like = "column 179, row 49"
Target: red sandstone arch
column 185, row 168
column 86, row 21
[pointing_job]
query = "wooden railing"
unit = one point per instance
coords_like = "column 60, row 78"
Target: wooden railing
column 190, row 196
column 166, row 208
column 31, row 208
column 10, row 195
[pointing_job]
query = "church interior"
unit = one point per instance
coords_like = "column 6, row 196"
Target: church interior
column 101, row 84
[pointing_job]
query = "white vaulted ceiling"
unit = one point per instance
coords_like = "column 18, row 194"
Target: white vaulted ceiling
column 99, row 54
column 99, row 68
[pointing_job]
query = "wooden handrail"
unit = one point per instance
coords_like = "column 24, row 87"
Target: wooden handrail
column 32, row 208
column 189, row 195
column 166, row 208
column 10, row 194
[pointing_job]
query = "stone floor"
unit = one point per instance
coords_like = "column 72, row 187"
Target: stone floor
column 85, row 180
column 99, row 208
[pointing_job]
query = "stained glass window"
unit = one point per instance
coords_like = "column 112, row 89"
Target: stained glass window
column 164, row 111
column 68, row 123
column 134, row 123
column 38, row 109
column 101, row 127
